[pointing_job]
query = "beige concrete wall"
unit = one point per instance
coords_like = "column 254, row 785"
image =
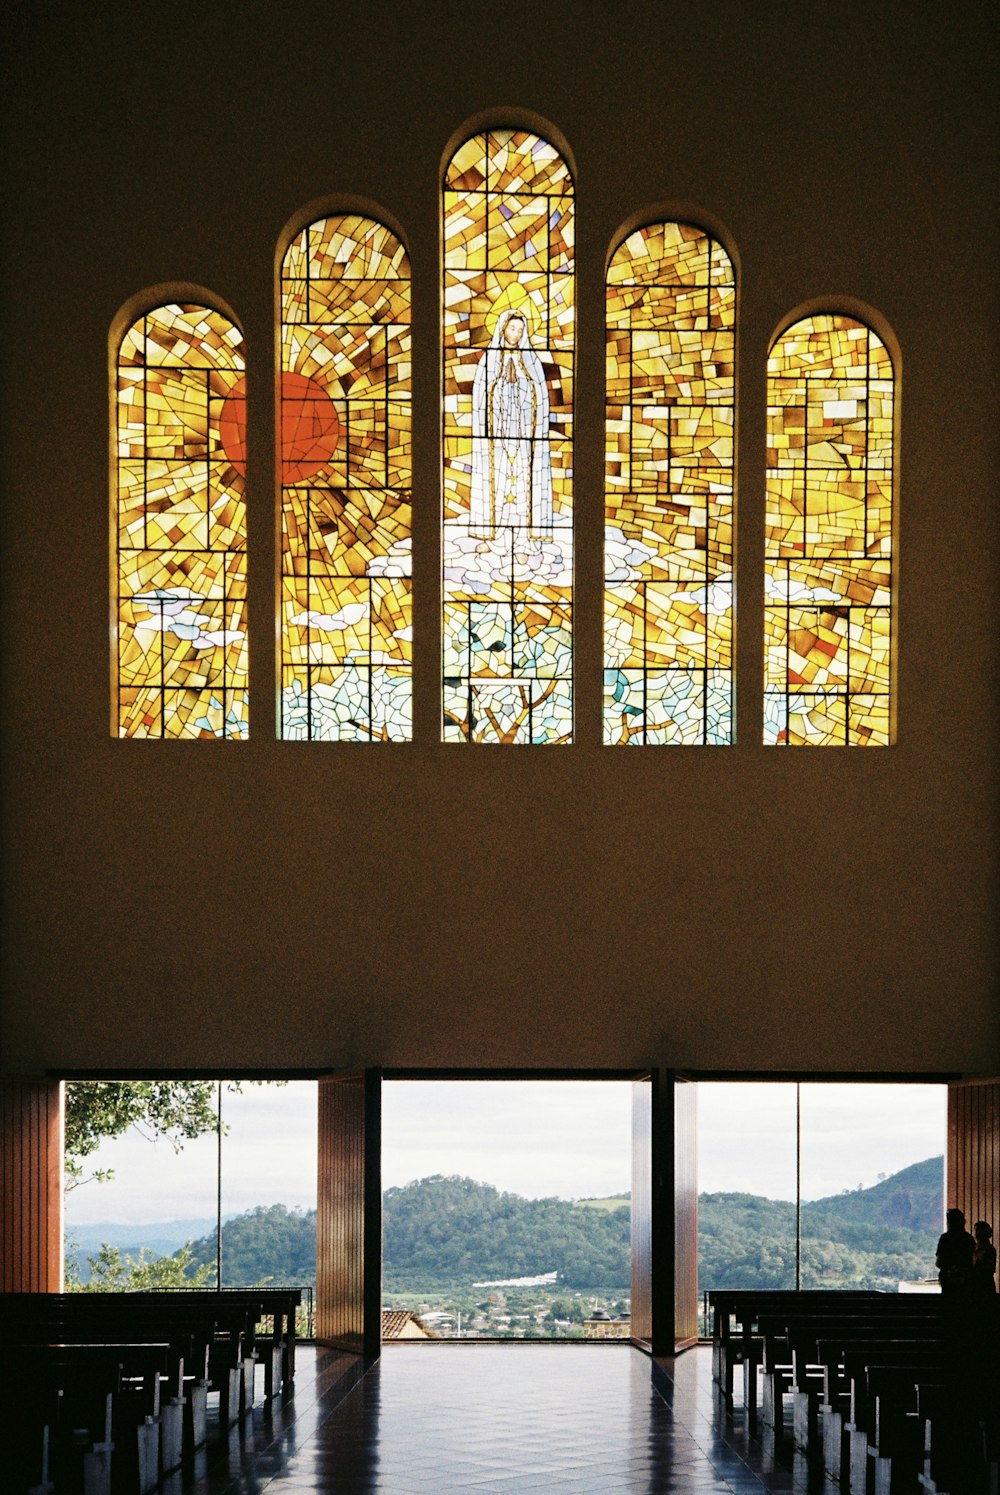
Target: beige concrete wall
column 189, row 904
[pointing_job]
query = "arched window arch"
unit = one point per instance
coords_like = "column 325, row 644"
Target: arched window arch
column 180, row 522
column 345, row 483
column 668, row 628
column 829, row 535
column 509, row 316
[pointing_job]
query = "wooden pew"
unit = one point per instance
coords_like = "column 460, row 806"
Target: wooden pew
column 98, row 1407
column 886, row 1443
column 734, row 1312
column 765, row 1322
column 837, row 1357
column 805, row 1371
column 225, row 1322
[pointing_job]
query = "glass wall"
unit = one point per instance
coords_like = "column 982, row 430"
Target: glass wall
column 506, row 1209
column 872, row 1183
column 820, row 1184
column 187, row 1180
column 747, row 1185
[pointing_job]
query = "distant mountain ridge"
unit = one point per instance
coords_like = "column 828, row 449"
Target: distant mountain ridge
column 862, row 1238
column 908, row 1200
column 451, row 1230
column 163, row 1236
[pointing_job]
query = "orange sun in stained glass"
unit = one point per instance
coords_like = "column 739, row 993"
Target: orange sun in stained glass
column 310, row 428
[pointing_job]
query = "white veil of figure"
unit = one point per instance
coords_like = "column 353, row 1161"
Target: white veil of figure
column 511, row 467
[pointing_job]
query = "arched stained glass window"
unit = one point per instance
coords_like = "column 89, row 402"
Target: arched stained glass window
column 345, row 484
column 181, row 526
column 829, row 535
column 668, row 640
column 508, row 305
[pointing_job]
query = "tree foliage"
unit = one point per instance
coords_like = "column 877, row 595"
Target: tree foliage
column 179, row 1110
column 449, row 1229
column 865, row 1238
column 271, row 1243
column 110, row 1272
column 449, row 1232
column 97, row 1109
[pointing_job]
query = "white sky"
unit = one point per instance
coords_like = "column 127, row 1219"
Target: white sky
column 850, row 1134
column 571, row 1138
column 536, row 1138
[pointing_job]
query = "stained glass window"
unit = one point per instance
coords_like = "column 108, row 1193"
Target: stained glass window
column 829, row 535
column 668, row 627
column 181, row 666
column 345, row 484
column 508, row 391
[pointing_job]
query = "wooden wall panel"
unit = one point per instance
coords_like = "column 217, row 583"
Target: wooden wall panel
column 349, row 1214
column 685, row 1213
column 642, row 1212
column 31, row 1202
column 973, row 1176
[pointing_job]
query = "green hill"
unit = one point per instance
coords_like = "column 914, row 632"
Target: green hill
column 864, row 1238
column 442, row 1230
column 909, row 1200
column 268, row 1244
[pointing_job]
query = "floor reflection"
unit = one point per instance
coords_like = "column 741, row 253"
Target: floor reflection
column 484, row 1418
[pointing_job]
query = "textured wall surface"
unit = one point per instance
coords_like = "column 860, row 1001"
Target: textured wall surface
column 267, row 904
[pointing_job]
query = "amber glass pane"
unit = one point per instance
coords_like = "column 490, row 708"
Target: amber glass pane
column 668, row 625
column 181, row 660
column 829, row 536
column 345, row 484
column 508, row 306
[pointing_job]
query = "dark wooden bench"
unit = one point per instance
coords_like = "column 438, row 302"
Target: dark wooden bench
column 885, row 1440
column 791, row 1360
column 837, row 1357
column 764, row 1321
column 228, row 1322
column 734, row 1311
column 68, row 1408
column 207, row 1341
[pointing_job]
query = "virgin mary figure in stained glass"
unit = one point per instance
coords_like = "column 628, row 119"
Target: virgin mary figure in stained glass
column 511, row 468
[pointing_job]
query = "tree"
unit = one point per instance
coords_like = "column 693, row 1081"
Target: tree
column 177, row 1109
column 110, row 1272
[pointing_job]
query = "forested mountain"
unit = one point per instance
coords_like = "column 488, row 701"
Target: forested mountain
column 452, row 1230
column 268, row 1244
column 865, row 1238
column 442, row 1231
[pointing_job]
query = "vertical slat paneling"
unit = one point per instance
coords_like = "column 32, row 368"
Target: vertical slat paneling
column 685, row 1213
column 973, row 1183
column 348, row 1215
column 31, row 1229
column 642, row 1210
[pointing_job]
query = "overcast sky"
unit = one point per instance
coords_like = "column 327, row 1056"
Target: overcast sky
column 537, row 1138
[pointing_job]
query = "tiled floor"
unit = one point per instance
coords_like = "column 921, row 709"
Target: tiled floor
column 494, row 1418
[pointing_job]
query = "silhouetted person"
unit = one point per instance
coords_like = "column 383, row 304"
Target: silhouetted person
column 984, row 1260
column 954, row 1256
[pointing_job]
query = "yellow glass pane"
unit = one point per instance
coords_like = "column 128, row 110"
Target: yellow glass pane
column 508, row 324
column 669, row 486
column 346, row 457
column 181, row 525
column 829, row 533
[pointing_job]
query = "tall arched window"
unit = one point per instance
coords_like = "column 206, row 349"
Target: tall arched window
column 508, row 305
column 345, row 484
column 180, row 606
column 668, row 629
column 829, row 535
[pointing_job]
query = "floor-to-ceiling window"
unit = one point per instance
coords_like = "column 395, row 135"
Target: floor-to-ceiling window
column 819, row 1184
